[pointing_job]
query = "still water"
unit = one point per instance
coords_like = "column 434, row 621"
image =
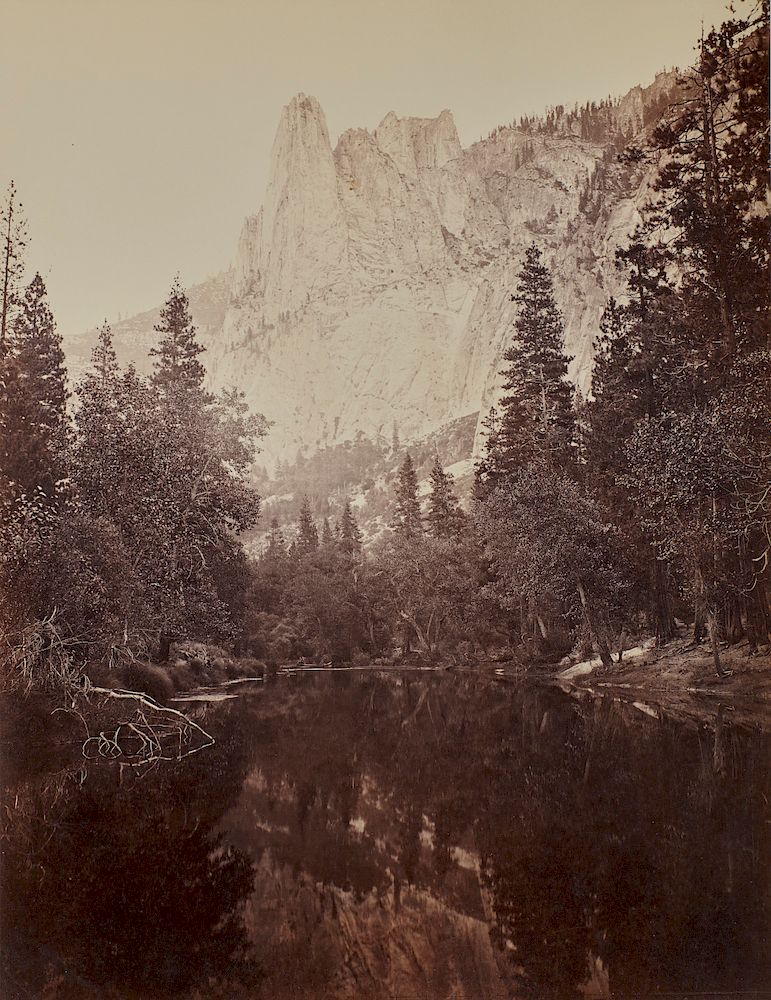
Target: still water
column 420, row 837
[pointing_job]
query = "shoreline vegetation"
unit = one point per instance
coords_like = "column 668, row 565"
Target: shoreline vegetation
column 635, row 515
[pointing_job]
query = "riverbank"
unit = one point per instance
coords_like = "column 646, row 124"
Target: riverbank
column 680, row 679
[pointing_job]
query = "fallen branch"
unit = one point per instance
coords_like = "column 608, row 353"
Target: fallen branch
column 142, row 740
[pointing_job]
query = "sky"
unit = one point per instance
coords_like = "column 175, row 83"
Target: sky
column 138, row 132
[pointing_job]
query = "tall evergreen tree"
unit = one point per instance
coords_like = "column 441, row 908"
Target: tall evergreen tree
column 33, row 398
column 714, row 187
column 407, row 520
column 103, row 357
column 350, row 533
column 445, row 518
column 13, row 234
column 276, row 542
column 537, row 418
column 307, row 532
column 177, row 369
column 488, row 467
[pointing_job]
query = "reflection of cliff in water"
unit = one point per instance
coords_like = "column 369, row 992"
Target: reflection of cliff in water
column 433, row 836
column 601, row 833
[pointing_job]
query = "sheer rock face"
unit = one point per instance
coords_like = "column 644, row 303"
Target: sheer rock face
column 374, row 285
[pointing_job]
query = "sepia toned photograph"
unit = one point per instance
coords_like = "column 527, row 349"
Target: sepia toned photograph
column 385, row 500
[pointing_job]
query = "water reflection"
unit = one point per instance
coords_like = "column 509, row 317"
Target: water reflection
column 115, row 883
column 417, row 836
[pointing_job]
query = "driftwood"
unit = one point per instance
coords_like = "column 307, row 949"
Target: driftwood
column 153, row 733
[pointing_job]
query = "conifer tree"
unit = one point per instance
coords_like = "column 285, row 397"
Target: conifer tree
column 177, row 369
column 488, row 467
column 407, row 520
column 103, row 357
column 33, row 397
column 13, row 234
column 307, row 532
column 445, row 518
column 714, row 186
column 537, row 419
column 350, row 533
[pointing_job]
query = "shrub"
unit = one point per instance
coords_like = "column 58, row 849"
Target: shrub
column 182, row 675
column 150, row 679
column 102, row 675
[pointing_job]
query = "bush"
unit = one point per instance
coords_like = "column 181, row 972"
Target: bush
column 181, row 675
column 102, row 675
column 246, row 667
column 150, row 679
column 466, row 653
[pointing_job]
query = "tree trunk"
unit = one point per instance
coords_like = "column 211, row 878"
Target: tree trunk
column 661, row 605
column 714, row 639
column 712, row 201
column 600, row 643
column 164, row 647
column 698, row 604
column 754, row 594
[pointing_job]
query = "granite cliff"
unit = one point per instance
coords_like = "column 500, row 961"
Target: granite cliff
column 374, row 285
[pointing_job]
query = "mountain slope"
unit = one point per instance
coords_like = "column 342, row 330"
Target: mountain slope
column 373, row 287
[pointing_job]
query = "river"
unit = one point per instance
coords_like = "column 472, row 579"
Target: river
column 407, row 836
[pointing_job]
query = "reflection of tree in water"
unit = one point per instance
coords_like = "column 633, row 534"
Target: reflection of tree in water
column 125, row 890
column 615, row 837
column 602, row 832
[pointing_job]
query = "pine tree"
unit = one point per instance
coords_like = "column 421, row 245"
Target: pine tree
column 307, row 533
column 13, row 233
column 103, row 357
column 445, row 518
column 177, row 370
column 350, row 533
column 407, row 519
column 537, row 419
column 33, row 398
column 488, row 467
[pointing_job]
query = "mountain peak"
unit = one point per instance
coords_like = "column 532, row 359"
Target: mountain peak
column 417, row 144
column 303, row 114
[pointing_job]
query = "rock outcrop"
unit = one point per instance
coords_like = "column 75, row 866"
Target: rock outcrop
column 374, row 285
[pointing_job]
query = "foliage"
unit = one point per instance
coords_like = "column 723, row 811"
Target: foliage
column 445, row 517
column 536, row 419
column 407, row 516
column 426, row 588
column 13, row 237
column 139, row 545
column 555, row 552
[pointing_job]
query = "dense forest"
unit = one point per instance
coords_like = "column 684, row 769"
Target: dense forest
column 645, row 505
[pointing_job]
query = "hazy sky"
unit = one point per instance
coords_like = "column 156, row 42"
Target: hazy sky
column 139, row 131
